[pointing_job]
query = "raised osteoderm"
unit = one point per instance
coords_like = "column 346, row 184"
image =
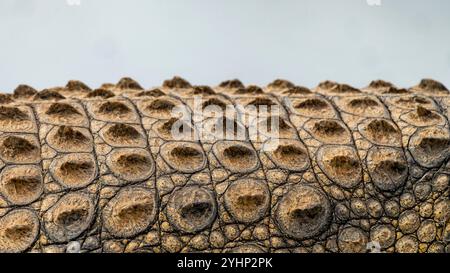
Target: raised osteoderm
column 120, row 168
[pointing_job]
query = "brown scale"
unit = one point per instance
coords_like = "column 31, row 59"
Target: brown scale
column 232, row 84
column 128, row 84
column 102, row 93
column 77, row 86
column 176, row 83
column 151, row 93
column 249, row 90
column 19, row 231
column 202, row 90
column 19, row 148
column 49, row 95
column 297, row 90
column 6, row 99
column 24, row 91
column 430, row 87
column 17, row 118
column 280, row 84
column 330, row 88
column 73, row 90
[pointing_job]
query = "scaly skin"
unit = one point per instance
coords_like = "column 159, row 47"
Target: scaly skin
column 99, row 170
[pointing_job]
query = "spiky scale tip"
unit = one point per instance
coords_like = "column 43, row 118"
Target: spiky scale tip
column 281, row 84
column 235, row 83
column 24, row 91
column 176, row 82
column 128, row 83
column 432, row 85
column 327, row 85
column 380, row 84
column 103, row 93
column 203, row 90
column 49, row 94
column 251, row 89
column 75, row 85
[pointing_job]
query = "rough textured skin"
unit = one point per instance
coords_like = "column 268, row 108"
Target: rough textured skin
column 98, row 171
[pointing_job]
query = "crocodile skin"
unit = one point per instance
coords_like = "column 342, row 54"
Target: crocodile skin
column 351, row 170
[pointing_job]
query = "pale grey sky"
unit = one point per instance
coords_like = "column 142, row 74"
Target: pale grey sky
column 44, row 43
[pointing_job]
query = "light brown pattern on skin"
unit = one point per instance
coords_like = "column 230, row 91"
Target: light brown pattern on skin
column 100, row 167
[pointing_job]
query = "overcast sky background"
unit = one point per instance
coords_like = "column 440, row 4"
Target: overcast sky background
column 44, row 43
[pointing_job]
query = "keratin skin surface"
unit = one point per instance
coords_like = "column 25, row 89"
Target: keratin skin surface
column 350, row 170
